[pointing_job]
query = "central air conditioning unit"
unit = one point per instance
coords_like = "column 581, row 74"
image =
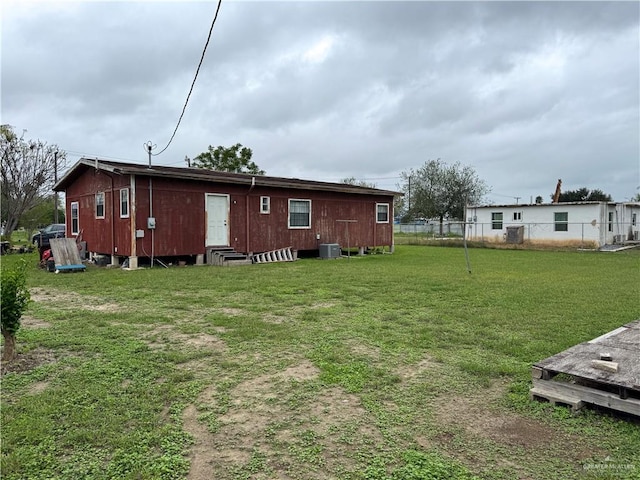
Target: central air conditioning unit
column 330, row 250
column 515, row 234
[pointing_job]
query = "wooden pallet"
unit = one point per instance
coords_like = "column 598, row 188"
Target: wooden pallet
column 66, row 255
column 587, row 379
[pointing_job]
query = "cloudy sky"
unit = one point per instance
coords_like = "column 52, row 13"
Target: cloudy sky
column 523, row 92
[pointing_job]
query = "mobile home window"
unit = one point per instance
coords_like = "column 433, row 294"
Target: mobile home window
column 382, row 215
column 75, row 218
column 299, row 213
column 124, row 203
column 561, row 221
column 517, row 216
column 100, row 205
column 265, row 204
column 496, row 220
column 634, row 219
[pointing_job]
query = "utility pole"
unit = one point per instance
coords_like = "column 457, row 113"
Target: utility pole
column 464, row 234
column 409, row 200
column 148, row 147
column 55, row 180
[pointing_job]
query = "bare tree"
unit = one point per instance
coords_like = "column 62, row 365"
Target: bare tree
column 28, row 172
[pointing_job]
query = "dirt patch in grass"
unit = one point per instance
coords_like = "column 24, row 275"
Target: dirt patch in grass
column 38, row 387
column 301, row 372
column 322, row 305
column 335, row 408
column 28, row 321
column 203, row 340
column 204, row 450
column 474, row 415
column 409, row 373
column 28, row 361
column 164, row 336
column 280, row 415
column 472, row 424
column 256, row 402
column 272, row 318
column 70, row 301
column 479, row 417
column 364, row 350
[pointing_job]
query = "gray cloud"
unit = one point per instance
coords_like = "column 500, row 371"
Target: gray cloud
column 524, row 92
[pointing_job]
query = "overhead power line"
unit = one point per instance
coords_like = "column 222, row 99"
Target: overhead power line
column 204, row 50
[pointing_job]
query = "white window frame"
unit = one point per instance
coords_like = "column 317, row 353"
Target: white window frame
column 497, row 218
column 378, row 212
column 517, row 216
column 100, row 195
column 299, row 227
column 560, row 224
column 75, row 207
column 124, row 201
column 265, row 204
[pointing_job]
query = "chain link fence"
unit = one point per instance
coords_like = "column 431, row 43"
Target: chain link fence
column 581, row 234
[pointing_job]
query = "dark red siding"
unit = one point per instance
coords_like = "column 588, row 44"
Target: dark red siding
column 104, row 235
column 270, row 231
column 178, row 205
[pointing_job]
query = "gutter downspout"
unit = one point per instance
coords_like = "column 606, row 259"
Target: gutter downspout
column 151, row 216
column 113, row 221
column 133, row 255
column 392, row 248
column 246, row 203
column 114, row 260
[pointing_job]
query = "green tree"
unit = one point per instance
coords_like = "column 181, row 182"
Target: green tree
column 28, row 172
column 15, row 298
column 584, row 195
column 439, row 190
column 42, row 214
column 235, row 159
column 358, row 183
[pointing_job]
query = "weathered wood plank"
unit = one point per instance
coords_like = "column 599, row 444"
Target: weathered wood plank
column 622, row 344
column 557, row 398
column 65, row 252
column 607, row 366
column 554, row 390
column 596, row 378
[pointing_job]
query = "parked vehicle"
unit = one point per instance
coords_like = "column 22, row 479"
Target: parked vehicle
column 55, row 230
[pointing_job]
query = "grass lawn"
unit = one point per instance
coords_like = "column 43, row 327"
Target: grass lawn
column 385, row 367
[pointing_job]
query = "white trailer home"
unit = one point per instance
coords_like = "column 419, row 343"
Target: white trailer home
column 586, row 224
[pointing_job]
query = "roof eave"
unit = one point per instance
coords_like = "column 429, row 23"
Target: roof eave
column 220, row 177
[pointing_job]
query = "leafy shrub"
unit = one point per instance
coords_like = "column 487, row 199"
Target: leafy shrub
column 15, row 298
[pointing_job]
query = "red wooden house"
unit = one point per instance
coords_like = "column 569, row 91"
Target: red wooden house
column 129, row 211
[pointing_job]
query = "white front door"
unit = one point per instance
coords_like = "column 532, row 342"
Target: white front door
column 217, row 219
